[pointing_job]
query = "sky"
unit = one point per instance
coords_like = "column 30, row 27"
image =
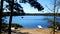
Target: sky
column 28, row 9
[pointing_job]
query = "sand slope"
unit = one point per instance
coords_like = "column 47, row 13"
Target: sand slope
column 38, row 31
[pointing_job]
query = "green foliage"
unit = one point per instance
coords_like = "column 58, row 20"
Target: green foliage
column 4, row 25
column 18, row 7
column 54, row 24
column 16, row 25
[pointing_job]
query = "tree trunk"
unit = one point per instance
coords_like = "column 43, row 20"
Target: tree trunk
column 54, row 16
column 1, row 10
column 10, row 21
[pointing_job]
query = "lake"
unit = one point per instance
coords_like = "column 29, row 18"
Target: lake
column 32, row 21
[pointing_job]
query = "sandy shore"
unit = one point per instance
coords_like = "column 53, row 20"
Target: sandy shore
column 38, row 31
column 34, row 31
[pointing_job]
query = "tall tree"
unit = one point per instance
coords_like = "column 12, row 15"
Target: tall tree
column 11, row 4
column 54, row 23
column 1, row 10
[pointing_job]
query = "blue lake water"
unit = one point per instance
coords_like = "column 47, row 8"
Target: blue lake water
column 32, row 21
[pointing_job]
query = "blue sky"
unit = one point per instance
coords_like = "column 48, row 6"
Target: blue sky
column 28, row 9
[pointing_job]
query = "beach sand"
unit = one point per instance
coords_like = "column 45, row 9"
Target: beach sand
column 35, row 31
column 38, row 31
